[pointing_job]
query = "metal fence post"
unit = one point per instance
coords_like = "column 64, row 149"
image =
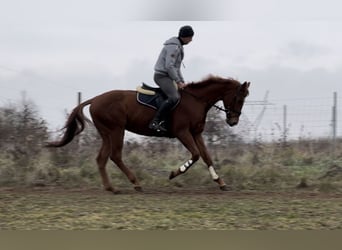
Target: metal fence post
column 284, row 124
column 334, row 123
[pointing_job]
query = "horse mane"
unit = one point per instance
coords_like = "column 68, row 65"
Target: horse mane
column 210, row 79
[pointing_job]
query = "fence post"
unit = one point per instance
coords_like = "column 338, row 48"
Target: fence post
column 284, row 124
column 334, row 122
column 78, row 140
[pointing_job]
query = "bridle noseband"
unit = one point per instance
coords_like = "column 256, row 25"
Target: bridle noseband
column 228, row 111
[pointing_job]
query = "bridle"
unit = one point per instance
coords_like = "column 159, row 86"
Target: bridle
column 228, row 111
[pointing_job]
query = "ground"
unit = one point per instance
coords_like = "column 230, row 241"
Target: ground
column 177, row 209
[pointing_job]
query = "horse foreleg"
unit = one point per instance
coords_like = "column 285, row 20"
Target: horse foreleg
column 188, row 141
column 207, row 159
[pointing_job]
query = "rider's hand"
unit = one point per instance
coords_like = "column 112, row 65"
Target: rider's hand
column 181, row 85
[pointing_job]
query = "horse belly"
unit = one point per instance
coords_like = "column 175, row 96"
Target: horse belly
column 138, row 119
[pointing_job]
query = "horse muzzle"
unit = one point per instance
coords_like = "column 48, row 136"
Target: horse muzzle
column 232, row 121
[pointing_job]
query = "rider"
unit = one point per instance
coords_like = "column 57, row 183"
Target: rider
column 167, row 73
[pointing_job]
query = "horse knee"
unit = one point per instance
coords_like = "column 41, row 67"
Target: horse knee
column 195, row 157
column 116, row 160
column 101, row 167
column 101, row 162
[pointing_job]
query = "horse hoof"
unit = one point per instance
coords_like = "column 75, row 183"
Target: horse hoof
column 138, row 188
column 112, row 190
column 224, row 188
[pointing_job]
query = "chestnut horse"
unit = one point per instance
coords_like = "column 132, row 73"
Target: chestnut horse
column 116, row 111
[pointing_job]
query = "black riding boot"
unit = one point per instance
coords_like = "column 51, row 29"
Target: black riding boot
column 158, row 122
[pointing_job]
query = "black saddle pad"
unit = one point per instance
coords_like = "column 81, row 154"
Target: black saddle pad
column 153, row 101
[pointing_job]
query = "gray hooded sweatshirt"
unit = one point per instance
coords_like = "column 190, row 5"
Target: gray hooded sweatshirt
column 170, row 60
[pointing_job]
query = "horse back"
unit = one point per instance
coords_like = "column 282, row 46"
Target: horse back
column 120, row 108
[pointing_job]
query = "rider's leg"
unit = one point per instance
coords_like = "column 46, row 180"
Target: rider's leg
column 158, row 122
column 170, row 90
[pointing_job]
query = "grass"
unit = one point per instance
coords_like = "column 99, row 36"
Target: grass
column 264, row 180
column 177, row 209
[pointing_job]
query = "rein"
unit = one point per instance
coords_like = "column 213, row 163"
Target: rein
column 227, row 111
column 221, row 108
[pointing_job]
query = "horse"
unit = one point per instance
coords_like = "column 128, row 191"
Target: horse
column 115, row 111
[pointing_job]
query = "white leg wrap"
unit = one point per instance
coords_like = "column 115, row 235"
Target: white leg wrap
column 185, row 166
column 213, row 173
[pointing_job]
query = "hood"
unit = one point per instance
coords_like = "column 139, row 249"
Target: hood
column 173, row 40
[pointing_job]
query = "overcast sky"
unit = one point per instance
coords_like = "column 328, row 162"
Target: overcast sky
column 53, row 49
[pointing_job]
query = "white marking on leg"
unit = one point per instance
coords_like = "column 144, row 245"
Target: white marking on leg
column 213, row 173
column 182, row 168
column 185, row 166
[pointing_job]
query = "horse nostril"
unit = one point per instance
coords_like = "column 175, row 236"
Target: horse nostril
column 231, row 123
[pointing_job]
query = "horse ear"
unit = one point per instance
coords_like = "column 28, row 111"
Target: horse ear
column 246, row 85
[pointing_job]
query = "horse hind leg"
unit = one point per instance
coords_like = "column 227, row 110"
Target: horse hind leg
column 102, row 160
column 116, row 156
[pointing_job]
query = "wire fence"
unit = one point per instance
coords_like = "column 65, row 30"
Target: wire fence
column 292, row 119
column 307, row 118
column 286, row 119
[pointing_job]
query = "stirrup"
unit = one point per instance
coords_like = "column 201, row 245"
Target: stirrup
column 157, row 126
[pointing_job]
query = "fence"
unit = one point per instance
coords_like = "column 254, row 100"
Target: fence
column 288, row 119
column 292, row 119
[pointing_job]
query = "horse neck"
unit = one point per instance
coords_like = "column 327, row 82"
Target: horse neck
column 212, row 92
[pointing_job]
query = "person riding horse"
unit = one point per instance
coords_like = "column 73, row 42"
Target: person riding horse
column 167, row 71
column 116, row 111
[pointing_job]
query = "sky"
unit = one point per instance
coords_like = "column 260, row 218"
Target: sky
column 53, row 49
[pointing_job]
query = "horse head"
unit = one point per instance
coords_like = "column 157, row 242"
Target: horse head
column 233, row 104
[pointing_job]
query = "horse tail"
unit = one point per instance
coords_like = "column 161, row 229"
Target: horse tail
column 74, row 125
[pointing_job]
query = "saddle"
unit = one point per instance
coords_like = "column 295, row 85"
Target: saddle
column 153, row 98
column 150, row 96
